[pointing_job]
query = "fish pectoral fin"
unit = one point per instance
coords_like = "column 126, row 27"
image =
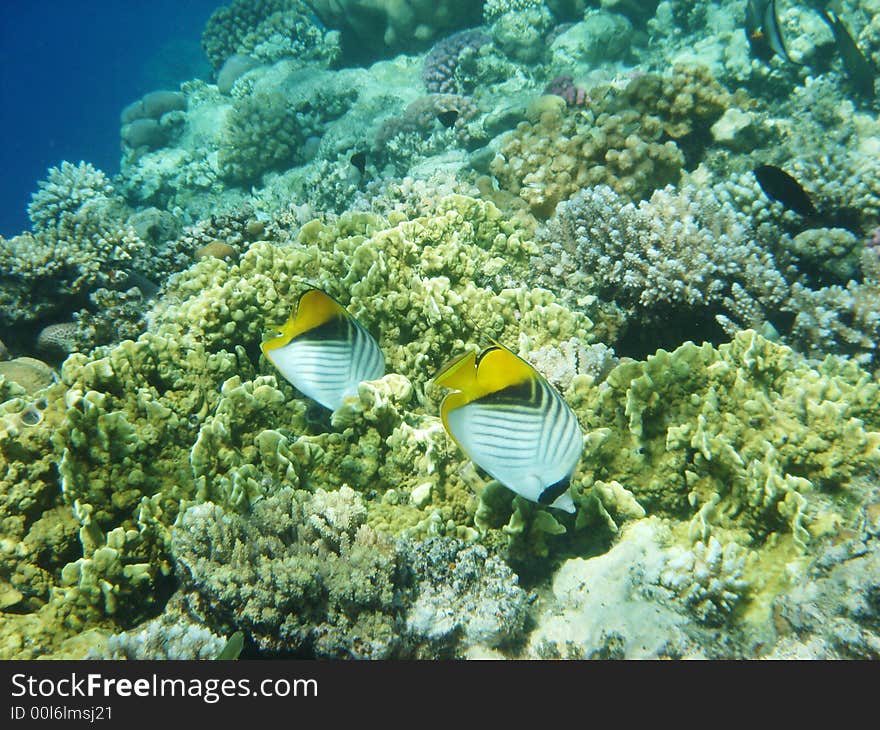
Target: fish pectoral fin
column 565, row 502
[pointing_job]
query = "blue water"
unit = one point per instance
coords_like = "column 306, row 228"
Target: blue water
column 67, row 67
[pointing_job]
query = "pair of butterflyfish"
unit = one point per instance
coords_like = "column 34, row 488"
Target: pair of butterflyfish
column 502, row 413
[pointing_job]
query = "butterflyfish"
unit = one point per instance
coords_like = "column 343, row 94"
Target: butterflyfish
column 323, row 351
column 513, row 424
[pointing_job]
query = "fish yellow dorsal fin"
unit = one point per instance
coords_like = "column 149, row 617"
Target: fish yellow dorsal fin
column 460, row 374
column 499, row 368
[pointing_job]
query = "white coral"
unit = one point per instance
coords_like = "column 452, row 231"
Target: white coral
column 708, row 579
column 65, row 190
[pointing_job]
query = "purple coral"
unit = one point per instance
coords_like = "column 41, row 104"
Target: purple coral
column 443, row 59
column 564, row 86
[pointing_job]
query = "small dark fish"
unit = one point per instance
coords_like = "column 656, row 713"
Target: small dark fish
column 233, row 647
column 148, row 288
column 762, row 30
column 359, row 160
column 448, row 118
column 858, row 68
column 778, row 185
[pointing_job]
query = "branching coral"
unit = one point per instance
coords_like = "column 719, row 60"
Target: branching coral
column 680, row 248
column 289, row 586
column 708, row 579
column 704, row 252
column 51, row 273
column 64, row 191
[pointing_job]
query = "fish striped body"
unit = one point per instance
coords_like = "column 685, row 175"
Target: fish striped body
column 513, row 424
column 325, row 352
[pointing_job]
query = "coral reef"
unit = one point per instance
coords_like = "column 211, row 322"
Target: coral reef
column 710, row 451
column 268, row 128
column 304, row 575
column 268, row 30
column 378, row 28
column 577, row 185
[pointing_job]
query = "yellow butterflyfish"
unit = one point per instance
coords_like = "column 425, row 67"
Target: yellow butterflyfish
column 323, row 351
column 513, row 424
